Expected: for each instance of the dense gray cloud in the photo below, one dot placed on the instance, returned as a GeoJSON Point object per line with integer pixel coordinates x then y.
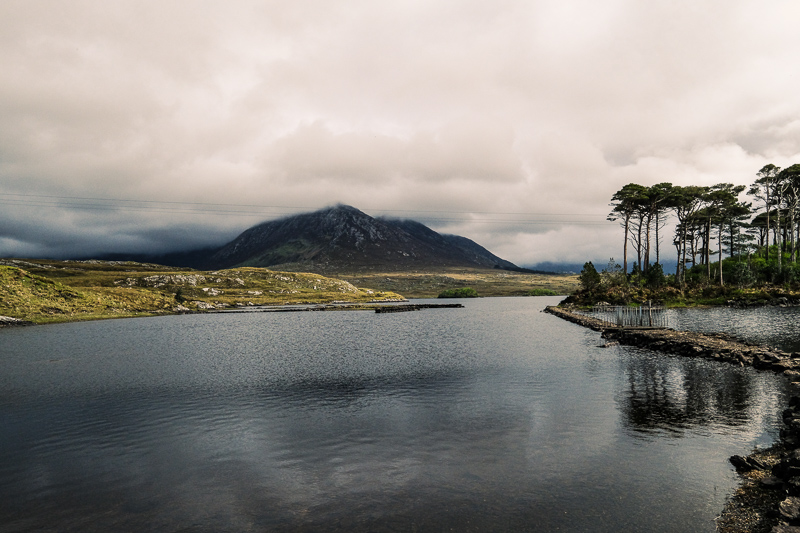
{"type": "Point", "coordinates": [510, 122]}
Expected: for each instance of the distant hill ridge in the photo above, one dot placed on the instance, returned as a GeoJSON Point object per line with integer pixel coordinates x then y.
{"type": "Point", "coordinates": [343, 238]}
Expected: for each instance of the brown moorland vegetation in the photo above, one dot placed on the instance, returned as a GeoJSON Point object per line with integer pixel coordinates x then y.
{"type": "Point", "coordinates": [487, 282]}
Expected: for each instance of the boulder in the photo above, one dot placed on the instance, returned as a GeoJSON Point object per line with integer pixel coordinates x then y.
{"type": "Point", "coordinates": [790, 509]}
{"type": "Point", "coordinates": [10, 321]}
{"type": "Point", "coordinates": [746, 464]}
{"type": "Point", "coordinates": [785, 528]}
{"type": "Point", "coordinates": [772, 482]}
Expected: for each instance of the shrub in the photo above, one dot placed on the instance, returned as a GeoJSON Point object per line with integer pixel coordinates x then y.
{"type": "Point", "coordinates": [179, 297]}
{"type": "Point", "coordinates": [738, 274]}
{"type": "Point", "coordinates": [654, 278]}
{"type": "Point", "coordinates": [697, 276]}
{"type": "Point", "coordinates": [464, 292]}
{"type": "Point", "coordinates": [771, 273]}
{"type": "Point", "coordinates": [612, 275]}
{"type": "Point", "coordinates": [635, 275]}
{"type": "Point", "coordinates": [541, 292]}
{"type": "Point", "coordinates": [788, 274]}
{"type": "Point", "coordinates": [590, 278]}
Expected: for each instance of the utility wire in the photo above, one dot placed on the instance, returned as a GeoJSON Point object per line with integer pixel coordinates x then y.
{"type": "Point", "coordinates": [117, 204]}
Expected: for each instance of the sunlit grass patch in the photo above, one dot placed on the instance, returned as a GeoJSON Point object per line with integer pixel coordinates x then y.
{"type": "Point", "coordinates": [58, 291]}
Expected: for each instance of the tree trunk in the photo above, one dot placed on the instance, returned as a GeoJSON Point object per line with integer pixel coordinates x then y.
{"type": "Point", "coordinates": [658, 258]}
{"type": "Point", "coordinates": [647, 243]}
{"type": "Point", "coordinates": [639, 245]}
{"type": "Point", "coordinates": [625, 247]}
{"type": "Point", "coordinates": [683, 261]}
{"type": "Point", "coordinates": [791, 234]}
{"type": "Point", "coordinates": [719, 249]}
{"type": "Point", "coordinates": [766, 255]}
{"type": "Point", "coordinates": [708, 247]}
{"type": "Point", "coordinates": [779, 242]}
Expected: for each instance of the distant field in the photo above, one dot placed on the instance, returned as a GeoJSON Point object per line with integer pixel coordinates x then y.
{"type": "Point", "coordinates": [488, 282]}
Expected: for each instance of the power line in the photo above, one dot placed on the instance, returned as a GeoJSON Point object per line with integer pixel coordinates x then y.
{"type": "Point", "coordinates": [288, 207]}
{"type": "Point", "coordinates": [208, 208]}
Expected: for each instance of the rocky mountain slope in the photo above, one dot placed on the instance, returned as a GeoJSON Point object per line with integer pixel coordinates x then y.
{"type": "Point", "coordinates": [342, 238]}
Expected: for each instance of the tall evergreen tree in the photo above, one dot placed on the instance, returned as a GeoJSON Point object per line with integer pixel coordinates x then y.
{"type": "Point", "coordinates": [686, 201]}
{"type": "Point", "coordinates": [625, 203]}
{"type": "Point", "coordinates": [720, 201]}
{"type": "Point", "coordinates": [790, 176]}
{"type": "Point", "coordinates": [659, 199]}
{"type": "Point", "coordinates": [762, 190]}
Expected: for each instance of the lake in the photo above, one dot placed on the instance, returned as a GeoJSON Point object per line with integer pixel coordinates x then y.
{"type": "Point", "coordinates": [495, 417]}
{"type": "Point", "coordinates": [773, 326]}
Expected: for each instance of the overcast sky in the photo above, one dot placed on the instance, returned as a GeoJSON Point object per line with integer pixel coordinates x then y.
{"type": "Point", "coordinates": [152, 125]}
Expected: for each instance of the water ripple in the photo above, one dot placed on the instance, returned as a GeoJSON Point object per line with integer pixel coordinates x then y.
{"type": "Point", "coordinates": [493, 417]}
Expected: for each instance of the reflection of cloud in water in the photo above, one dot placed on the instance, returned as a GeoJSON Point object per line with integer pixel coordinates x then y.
{"type": "Point", "coordinates": [356, 445]}
{"type": "Point", "coordinates": [582, 430]}
{"type": "Point", "coordinates": [497, 417]}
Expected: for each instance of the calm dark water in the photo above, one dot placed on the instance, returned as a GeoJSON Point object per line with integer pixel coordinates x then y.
{"type": "Point", "coordinates": [496, 417]}
{"type": "Point", "coordinates": [775, 326]}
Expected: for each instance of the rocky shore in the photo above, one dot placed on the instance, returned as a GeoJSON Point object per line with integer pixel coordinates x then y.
{"type": "Point", "coordinates": [415, 307]}
{"type": "Point", "coordinates": [716, 346]}
{"type": "Point", "coordinates": [780, 301]}
{"type": "Point", "coordinates": [7, 321]}
{"type": "Point", "coordinates": [377, 306]}
{"type": "Point", "coordinates": [768, 499]}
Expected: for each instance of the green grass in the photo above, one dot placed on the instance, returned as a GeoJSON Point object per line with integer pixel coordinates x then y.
{"type": "Point", "coordinates": [57, 291]}
{"type": "Point", "coordinates": [82, 290]}
{"type": "Point", "coordinates": [40, 299]}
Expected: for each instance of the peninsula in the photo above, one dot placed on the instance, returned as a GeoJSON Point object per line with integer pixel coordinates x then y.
{"type": "Point", "coordinates": [42, 291]}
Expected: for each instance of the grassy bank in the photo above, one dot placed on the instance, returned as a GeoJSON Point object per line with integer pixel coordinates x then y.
{"type": "Point", "coordinates": [44, 291]}
{"type": "Point", "coordinates": [486, 282]}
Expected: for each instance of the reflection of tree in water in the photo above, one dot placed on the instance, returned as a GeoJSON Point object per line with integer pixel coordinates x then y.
{"type": "Point", "coordinates": [676, 395]}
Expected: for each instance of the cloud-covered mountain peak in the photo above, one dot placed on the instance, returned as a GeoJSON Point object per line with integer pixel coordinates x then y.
{"type": "Point", "coordinates": [342, 237]}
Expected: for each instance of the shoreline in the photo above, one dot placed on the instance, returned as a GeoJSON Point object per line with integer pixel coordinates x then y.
{"type": "Point", "coordinates": [716, 346]}
{"type": "Point", "coordinates": [9, 322]}
{"type": "Point", "coordinates": [768, 497]}
{"type": "Point", "coordinates": [386, 306]}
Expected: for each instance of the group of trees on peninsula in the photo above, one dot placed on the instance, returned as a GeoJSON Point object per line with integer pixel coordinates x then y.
{"type": "Point", "coordinates": [718, 236]}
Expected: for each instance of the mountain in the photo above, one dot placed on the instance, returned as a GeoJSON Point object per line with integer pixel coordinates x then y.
{"type": "Point", "coordinates": [343, 238]}
{"type": "Point", "coordinates": [668, 265]}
